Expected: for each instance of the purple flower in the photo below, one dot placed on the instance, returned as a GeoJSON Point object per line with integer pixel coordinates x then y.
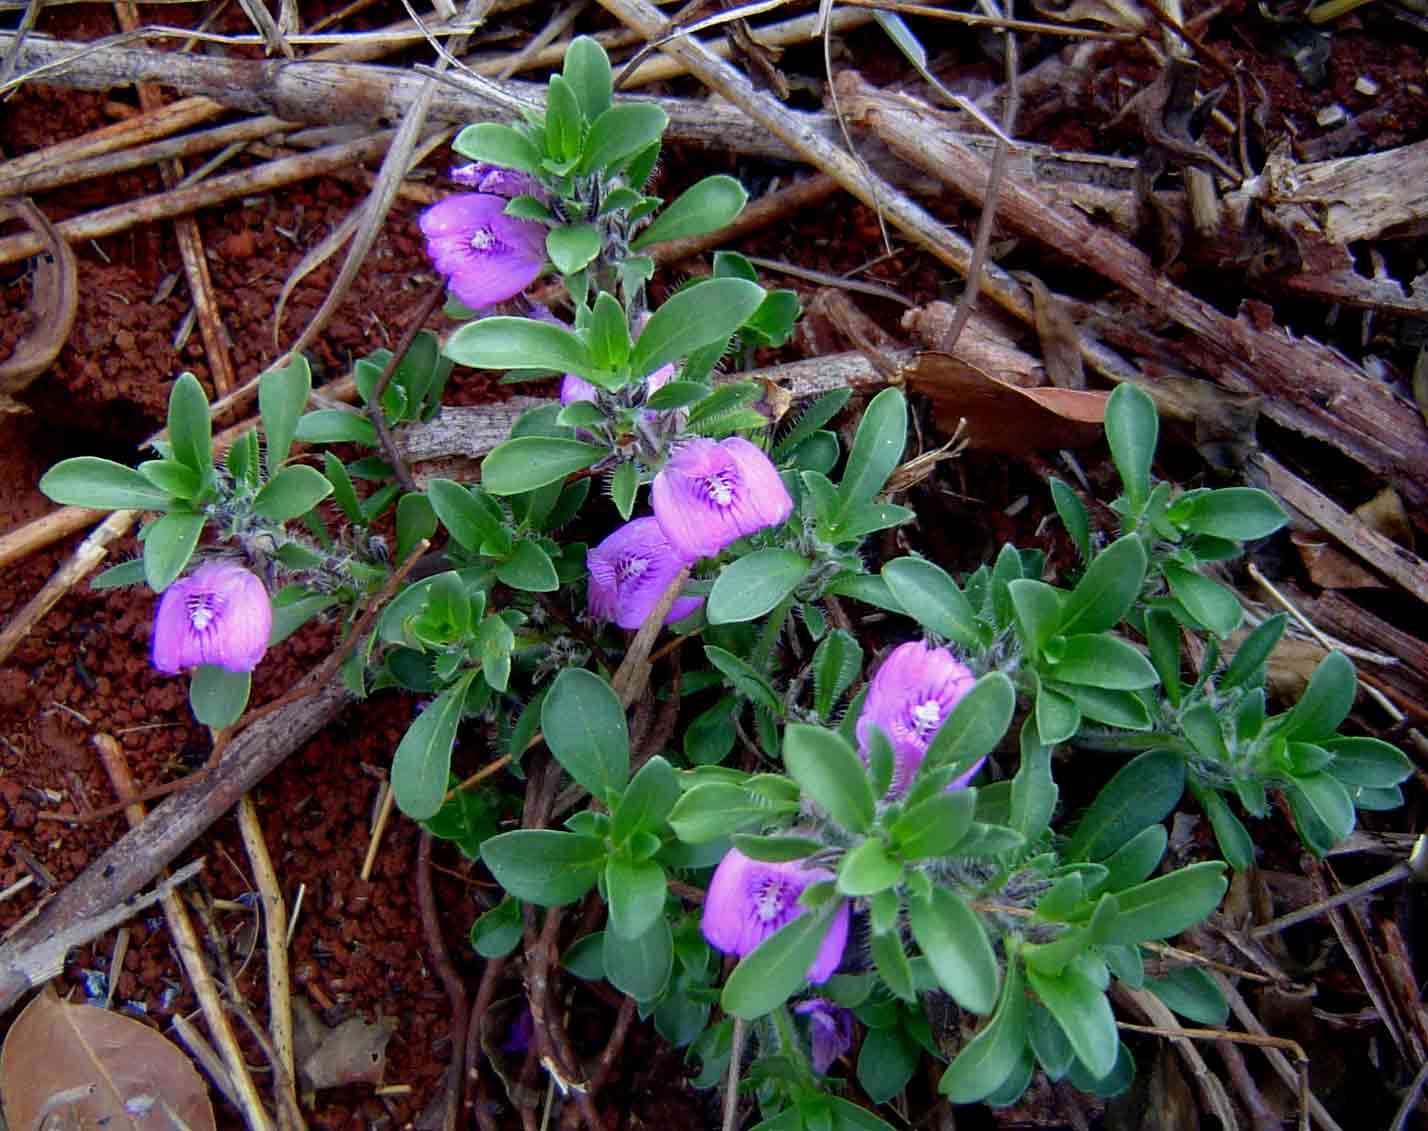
{"type": "Point", "coordinates": [710, 494]}
{"type": "Point", "coordinates": [909, 699]}
{"type": "Point", "coordinates": [748, 900]}
{"type": "Point", "coordinates": [496, 180]}
{"type": "Point", "coordinates": [219, 614]}
{"type": "Point", "coordinates": [485, 255]}
{"type": "Point", "coordinates": [629, 572]}
{"type": "Point", "coordinates": [830, 1029]}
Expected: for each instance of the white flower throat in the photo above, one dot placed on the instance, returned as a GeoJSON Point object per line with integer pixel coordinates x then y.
{"type": "Point", "coordinates": [720, 486]}
{"type": "Point", "coordinates": [203, 608]}
{"type": "Point", "coordinates": [769, 901]}
{"type": "Point", "coordinates": [926, 717]}
{"type": "Point", "coordinates": [483, 239]}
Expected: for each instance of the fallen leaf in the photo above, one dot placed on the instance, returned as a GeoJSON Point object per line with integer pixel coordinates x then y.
{"type": "Point", "coordinates": [1060, 340]}
{"type": "Point", "coordinates": [1386, 514]}
{"type": "Point", "coordinates": [53, 304]}
{"type": "Point", "coordinates": [1002, 417]}
{"type": "Point", "coordinates": [79, 1066]}
{"type": "Point", "coordinates": [1329, 568]}
{"type": "Point", "coordinates": [354, 1052]}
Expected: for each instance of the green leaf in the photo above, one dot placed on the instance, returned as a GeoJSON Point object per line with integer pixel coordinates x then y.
{"type": "Point", "coordinates": [1142, 793]}
{"type": "Point", "coordinates": [282, 395]}
{"type": "Point", "coordinates": [1135, 860]}
{"type": "Point", "coordinates": [829, 771]}
{"type": "Point", "coordinates": [466, 819]}
{"type": "Point", "coordinates": [1038, 612]}
{"type": "Point", "coordinates": [636, 893]}
{"type": "Point", "coordinates": [416, 519]}
{"type": "Point", "coordinates": [472, 519]}
{"type": "Point", "coordinates": [1167, 905]}
{"type": "Point", "coordinates": [929, 595]}
{"type": "Point", "coordinates": [1231, 835]}
{"type": "Point", "coordinates": [115, 577]}
{"type": "Point", "coordinates": [748, 681]}
{"type": "Point", "coordinates": [1082, 1012]}
{"type": "Point", "coordinates": [836, 663]}
{"type": "Point", "coordinates": [1253, 652]}
{"type": "Point", "coordinates": [992, 1055]}
{"type": "Point", "coordinates": [1237, 513]}
{"type": "Point", "coordinates": [496, 641]}
{"type": "Point", "coordinates": [1162, 635]}
{"type": "Point", "coordinates": [711, 736]}
{"type": "Point", "coordinates": [1108, 589]}
{"type": "Point", "coordinates": [572, 247]}
{"type": "Point", "coordinates": [190, 430]}
{"type": "Point", "coordinates": [647, 802]}
{"type": "Point", "coordinates": [1073, 516]}
{"type": "Point", "coordinates": [956, 946]}
{"type": "Point", "coordinates": [1057, 716]}
{"type": "Point", "coordinates": [1326, 702]}
{"type": "Point", "coordinates": [422, 764]}
{"type": "Point", "coordinates": [977, 723]}
{"type": "Point", "coordinates": [169, 544]}
{"type": "Point", "coordinates": [292, 615]}
{"type": "Point", "coordinates": [497, 933]}
{"type": "Point", "coordinates": [519, 343]}
{"type": "Point", "coordinates": [1033, 790]}
{"type": "Point", "coordinates": [886, 1062]}
{"type": "Point", "coordinates": [1323, 811]}
{"type": "Point", "coordinates": [1053, 1051]}
{"type": "Point", "coordinates": [584, 726]}
{"type": "Point", "coordinates": [529, 462]}
{"type": "Point", "coordinates": [343, 493]}
{"type": "Point", "coordinates": [877, 448]}
{"type": "Point", "coordinates": [935, 826]}
{"type": "Point", "coordinates": [868, 869]}
{"type": "Point", "coordinates": [620, 132]}
{"type": "Point", "coordinates": [587, 70]}
{"type": "Point", "coordinates": [1193, 994]}
{"type": "Point", "coordinates": [172, 478]}
{"type": "Point", "coordinates": [293, 491]}
{"type": "Point", "coordinates": [705, 206]}
{"type": "Point", "coordinates": [754, 585]}
{"type": "Point", "coordinates": [713, 810]}
{"type": "Point", "coordinates": [218, 697]}
{"type": "Point", "coordinates": [696, 316]}
{"type": "Point", "coordinates": [1132, 430]}
{"type": "Point", "coordinates": [564, 124]}
{"type": "Point", "coordinates": [529, 568]}
{"type": "Point", "coordinates": [498, 145]}
{"type": "Point", "coordinates": [1114, 1083]}
{"type": "Point", "coordinates": [774, 970]}
{"type": "Point", "coordinates": [609, 332]}
{"type": "Point", "coordinates": [1212, 604]}
{"type": "Point", "coordinates": [1367, 762]}
{"type": "Point", "coordinates": [1201, 725]}
{"type": "Point", "coordinates": [336, 426]}
{"type": "Point", "coordinates": [776, 849]}
{"type": "Point", "coordinates": [88, 481]}
{"type": "Point", "coordinates": [889, 958]}
{"type": "Point", "coordinates": [1100, 660]}
{"type": "Point", "coordinates": [640, 966]}
{"type": "Point", "coordinates": [1123, 709]}
{"type": "Point", "coordinates": [543, 866]}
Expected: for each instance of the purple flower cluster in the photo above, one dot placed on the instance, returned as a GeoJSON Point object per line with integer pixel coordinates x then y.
{"type": "Point", "coordinates": [707, 495]}
{"type": "Point", "coordinates": [909, 699]}
{"type": "Point", "coordinates": [748, 900]}
{"type": "Point", "coordinates": [486, 256]}
{"type": "Point", "coordinates": [219, 614]}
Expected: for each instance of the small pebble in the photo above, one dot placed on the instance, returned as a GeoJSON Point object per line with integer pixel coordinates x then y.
{"type": "Point", "coordinates": [1334, 115]}
{"type": "Point", "coordinates": [1366, 86]}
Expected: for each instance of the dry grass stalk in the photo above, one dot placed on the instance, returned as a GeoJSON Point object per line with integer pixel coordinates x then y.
{"type": "Point", "coordinates": [190, 954]}
{"type": "Point", "coordinates": [275, 935]}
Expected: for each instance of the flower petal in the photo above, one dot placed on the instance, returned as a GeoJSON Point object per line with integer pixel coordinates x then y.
{"type": "Point", "coordinates": [830, 951]}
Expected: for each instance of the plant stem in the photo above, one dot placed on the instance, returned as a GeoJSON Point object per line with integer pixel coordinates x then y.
{"type": "Point", "coordinates": [763, 650]}
{"type": "Point", "coordinates": [731, 1088]}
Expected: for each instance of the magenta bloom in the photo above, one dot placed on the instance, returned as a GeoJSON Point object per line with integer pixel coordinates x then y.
{"type": "Point", "coordinates": [485, 255]}
{"type": "Point", "coordinates": [629, 572]}
{"type": "Point", "coordinates": [496, 180]}
{"type": "Point", "coordinates": [909, 699]}
{"type": "Point", "coordinates": [830, 1031]}
{"type": "Point", "coordinates": [748, 900]}
{"type": "Point", "coordinates": [710, 494]}
{"type": "Point", "coordinates": [219, 614]}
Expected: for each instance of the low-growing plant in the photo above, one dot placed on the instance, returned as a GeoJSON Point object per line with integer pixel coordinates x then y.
{"type": "Point", "coordinates": [891, 835]}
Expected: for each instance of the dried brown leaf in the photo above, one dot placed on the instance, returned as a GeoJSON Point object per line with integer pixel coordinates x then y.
{"type": "Point", "coordinates": [1060, 340]}
{"type": "Point", "coordinates": [1386, 513]}
{"type": "Point", "coordinates": [1001, 417]}
{"type": "Point", "coordinates": [54, 303]}
{"type": "Point", "coordinates": [78, 1065]}
{"type": "Point", "coordinates": [1328, 568]}
{"type": "Point", "coordinates": [354, 1052]}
